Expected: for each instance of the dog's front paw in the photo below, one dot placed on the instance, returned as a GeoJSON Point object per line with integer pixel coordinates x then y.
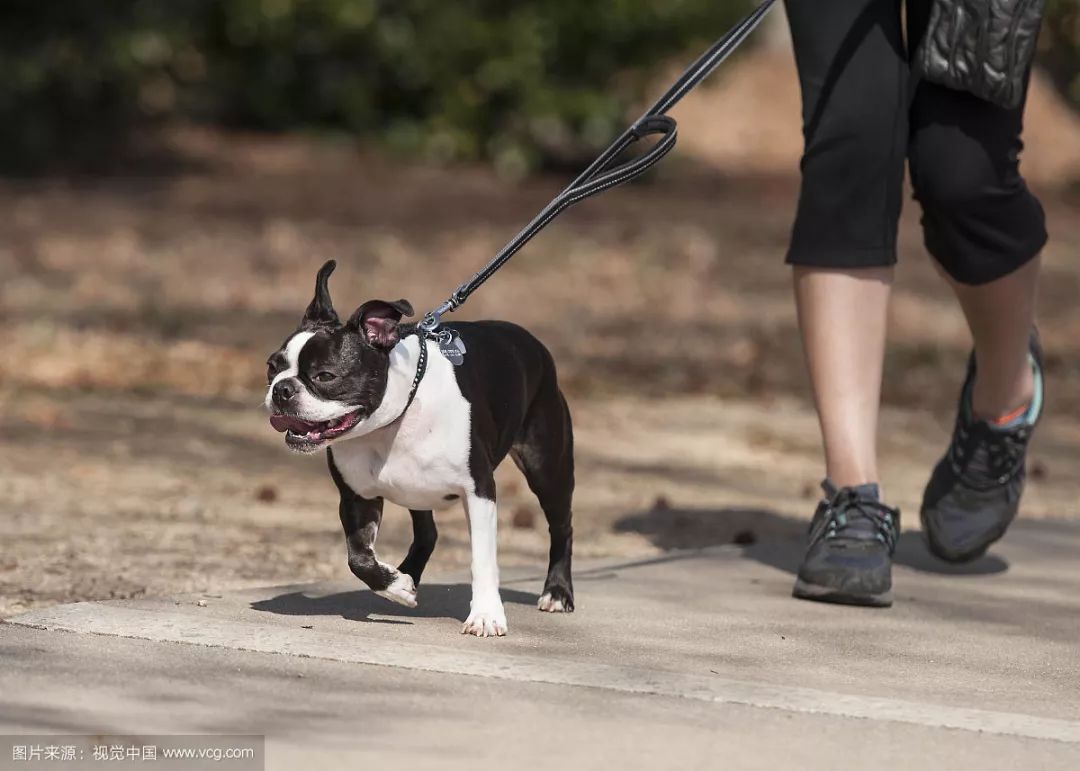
{"type": "Point", "coordinates": [401, 590]}
{"type": "Point", "coordinates": [487, 619]}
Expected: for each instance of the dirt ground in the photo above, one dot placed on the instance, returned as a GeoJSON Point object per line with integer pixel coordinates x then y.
{"type": "Point", "coordinates": [138, 311]}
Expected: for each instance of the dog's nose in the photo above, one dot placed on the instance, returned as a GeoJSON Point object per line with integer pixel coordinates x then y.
{"type": "Point", "coordinates": [284, 391]}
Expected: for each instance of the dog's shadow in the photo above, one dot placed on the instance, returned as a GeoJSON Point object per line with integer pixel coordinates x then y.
{"type": "Point", "coordinates": [435, 601]}
{"type": "Point", "coordinates": [765, 536]}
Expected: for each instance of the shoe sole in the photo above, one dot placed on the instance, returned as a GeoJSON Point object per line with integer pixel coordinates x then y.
{"type": "Point", "coordinates": [808, 591]}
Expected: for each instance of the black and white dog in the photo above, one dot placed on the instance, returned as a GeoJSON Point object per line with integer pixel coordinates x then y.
{"type": "Point", "coordinates": [407, 425]}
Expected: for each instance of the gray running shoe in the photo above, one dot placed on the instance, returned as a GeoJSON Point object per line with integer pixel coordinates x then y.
{"type": "Point", "coordinates": [852, 540]}
{"type": "Point", "coordinates": [974, 493]}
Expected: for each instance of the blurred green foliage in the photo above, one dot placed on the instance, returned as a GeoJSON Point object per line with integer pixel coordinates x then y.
{"type": "Point", "coordinates": [1060, 44]}
{"type": "Point", "coordinates": [521, 83]}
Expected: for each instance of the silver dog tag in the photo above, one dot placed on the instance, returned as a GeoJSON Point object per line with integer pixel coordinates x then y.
{"type": "Point", "coordinates": [452, 347]}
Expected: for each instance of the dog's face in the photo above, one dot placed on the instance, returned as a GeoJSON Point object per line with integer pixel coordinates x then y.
{"type": "Point", "coordinates": [328, 377]}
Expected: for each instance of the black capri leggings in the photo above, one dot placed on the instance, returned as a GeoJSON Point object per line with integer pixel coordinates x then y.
{"type": "Point", "coordinates": [979, 221]}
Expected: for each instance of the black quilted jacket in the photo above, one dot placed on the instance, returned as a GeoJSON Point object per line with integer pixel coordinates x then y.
{"type": "Point", "coordinates": [981, 46]}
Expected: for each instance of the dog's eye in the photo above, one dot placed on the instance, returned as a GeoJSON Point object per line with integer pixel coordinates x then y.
{"type": "Point", "coordinates": [325, 377]}
{"type": "Point", "coordinates": [274, 365]}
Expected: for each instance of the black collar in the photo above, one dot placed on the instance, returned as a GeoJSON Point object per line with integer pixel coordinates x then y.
{"type": "Point", "coordinates": [421, 368]}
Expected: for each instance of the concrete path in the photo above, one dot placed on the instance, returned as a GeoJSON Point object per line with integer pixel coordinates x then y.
{"type": "Point", "coordinates": [695, 659]}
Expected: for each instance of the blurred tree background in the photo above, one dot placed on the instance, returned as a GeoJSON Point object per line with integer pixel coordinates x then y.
{"type": "Point", "coordinates": [1060, 44]}
{"type": "Point", "coordinates": [521, 84]}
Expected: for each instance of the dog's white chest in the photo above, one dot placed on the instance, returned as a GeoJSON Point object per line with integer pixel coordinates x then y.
{"type": "Point", "coordinates": [424, 462]}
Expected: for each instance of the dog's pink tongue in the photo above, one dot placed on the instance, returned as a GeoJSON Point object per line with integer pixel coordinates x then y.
{"type": "Point", "coordinates": [282, 422]}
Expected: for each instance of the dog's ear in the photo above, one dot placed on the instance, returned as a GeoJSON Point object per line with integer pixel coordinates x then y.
{"type": "Point", "coordinates": [321, 313]}
{"type": "Point", "coordinates": [377, 321]}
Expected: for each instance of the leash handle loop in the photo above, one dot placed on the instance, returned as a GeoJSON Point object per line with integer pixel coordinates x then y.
{"type": "Point", "coordinates": [579, 190]}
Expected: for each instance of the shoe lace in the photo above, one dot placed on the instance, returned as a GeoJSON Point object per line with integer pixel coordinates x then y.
{"type": "Point", "coordinates": [856, 516]}
{"type": "Point", "coordinates": [986, 458]}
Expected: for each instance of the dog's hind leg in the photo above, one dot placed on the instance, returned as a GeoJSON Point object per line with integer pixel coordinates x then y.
{"type": "Point", "coordinates": [545, 455]}
{"type": "Point", "coordinates": [424, 537]}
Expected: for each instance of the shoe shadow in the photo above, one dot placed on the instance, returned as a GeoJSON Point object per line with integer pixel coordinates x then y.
{"type": "Point", "coordinates": [911, 551]}
{"type": "Point", "coordinates": [774, 539]}
{"type": "Point", "coordinates": [435, 601]}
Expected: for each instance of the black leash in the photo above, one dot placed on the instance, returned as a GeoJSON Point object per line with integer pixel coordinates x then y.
{"type": "Point", "coordinates": [598, 177]}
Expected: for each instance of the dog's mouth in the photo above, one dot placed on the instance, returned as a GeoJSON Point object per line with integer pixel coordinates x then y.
{"type": "Point", "coordinates": [307, 434]}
